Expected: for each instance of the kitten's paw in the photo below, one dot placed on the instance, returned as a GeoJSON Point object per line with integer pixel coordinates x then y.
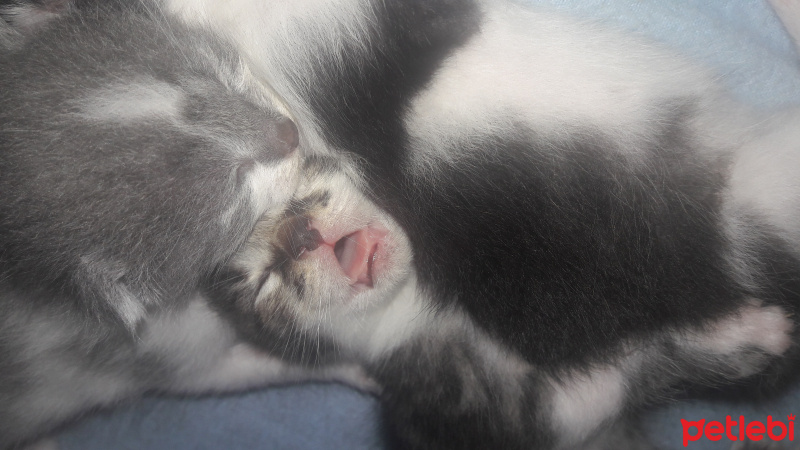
{"type": "Point", "coordinates": [355, 377]}
{"type": "Point", "coordinates": [767, 328]}
{"type": "Point", "coordinates": [744, 342]}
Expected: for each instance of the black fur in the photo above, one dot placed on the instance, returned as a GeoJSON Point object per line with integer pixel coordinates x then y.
{"type": "Point", "coordinates": [561, 249]}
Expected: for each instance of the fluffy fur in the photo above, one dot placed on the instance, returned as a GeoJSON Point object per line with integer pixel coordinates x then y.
{"type": "Point", "coordinates": [583, 208]}
{"type": "Point", "coordinates": [136, 157]}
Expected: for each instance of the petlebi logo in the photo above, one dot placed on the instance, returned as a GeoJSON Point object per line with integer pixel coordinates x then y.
{"type": "Point", "coordinates": [738, 430]}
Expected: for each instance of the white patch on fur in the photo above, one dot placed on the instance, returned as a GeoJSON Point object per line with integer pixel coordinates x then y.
{"type": "Point", "coordinates": [207, 356]}
{"type": "Point", "coordinates": [385, 326]}
{"type": "Point", "coordinates": [330, 297]}
{"type": "Point", "coordinates": [272, 185]}
{"type": "Point", "coordinates": [584, 402]}
{"type": "Point", "coordinates": [132, 102]}
{"type": "Point", "coordinates": [267, 35]}
{"type": "Point", "coordinates": [130, 308]}
{"type": "Point", "coordinates": [204, 351]}
{"type": "Point", "coordinates": [765, 178]}
{"type": "Point", "coordinates": [266, 187]}
{"type": "Point", "coordinates": [104, 278]}
{"type": "Point", "coordinates": [593, 81]}
{"type": "Point", "coordinates": [764, 327]}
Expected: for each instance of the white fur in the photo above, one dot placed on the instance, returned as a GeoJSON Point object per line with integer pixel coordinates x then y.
{"type": "Point", "coordinates": [208, 355]}
{"type": "Point", "coordinates": [130, 308]}
{"type": "Point", "coordinates": [263, 30]}
{"type": "Point", "coordinates": [271, 186]}
{"type": "Point", "coordinates": [346, 211]}
{"type": "Point", "coordinates": [583, 402]}
{"type": "Point", "coordinates": [764, 327]}
{"type": "Point", "coordinates": [558, 77]}
{"type": "Point", "coordinates": [387, 325]}
{"type": "Point", "coordinates": [132, 102]}
{"type": "Point", "coordinates": [765, 176]}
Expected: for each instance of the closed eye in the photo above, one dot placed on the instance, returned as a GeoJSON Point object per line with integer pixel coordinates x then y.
{"type": "Point", "coordinates": [267, 273]}
{"type": "Point", "coordinates": [262, 280]}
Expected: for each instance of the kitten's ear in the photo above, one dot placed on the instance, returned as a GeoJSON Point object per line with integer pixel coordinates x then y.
{"type": "Point", "coordinates": [26, 17]}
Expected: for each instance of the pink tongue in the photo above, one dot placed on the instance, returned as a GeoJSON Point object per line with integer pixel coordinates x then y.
{"type": "Point", "coordinates": [354, 253]}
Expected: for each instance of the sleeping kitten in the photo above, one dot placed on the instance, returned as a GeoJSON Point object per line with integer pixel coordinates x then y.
{"type": "Point", "coordinates": [136, 157]}
{"type": "Point", "coordinates": [329, 280]}
{"type": "Point", "coordinates": [593, 220]}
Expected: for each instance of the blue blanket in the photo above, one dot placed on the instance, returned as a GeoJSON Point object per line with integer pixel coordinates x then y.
{"type": "Point", "coordinates": [746, 44]}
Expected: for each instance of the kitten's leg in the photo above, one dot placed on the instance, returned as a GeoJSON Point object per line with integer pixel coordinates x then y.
{"type": "Point", "coordinates": [466, 391]}
{"type": "Point", "coordinates": [789, 13]}
{"type": "Point", "coordinates": [586, 405]}
{"type": "Point", "coordinates": [740, 344]}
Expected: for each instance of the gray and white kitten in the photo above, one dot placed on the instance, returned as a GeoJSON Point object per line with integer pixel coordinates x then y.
{"type": "Point", "coordinates": [594, 221]}
{"type": "Point", "coordinates": [136, 157]}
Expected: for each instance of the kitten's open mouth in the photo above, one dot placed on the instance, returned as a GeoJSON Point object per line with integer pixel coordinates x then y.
{"type": "Point", "coordinates": [356, 254]}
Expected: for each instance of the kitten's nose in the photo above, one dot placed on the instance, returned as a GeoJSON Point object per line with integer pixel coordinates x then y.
{"type": "Point", "coordinates": [287, 138]}
{"type": "Point", "coordinates": [297, 237]}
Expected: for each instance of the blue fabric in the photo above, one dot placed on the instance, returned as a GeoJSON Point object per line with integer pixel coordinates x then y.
{"type": "Point", "coordinates": [664, 425]}
{"type": "Point", "coordinates": [313, 416]}
{"type": "Point", "coordinates": [741, 39]}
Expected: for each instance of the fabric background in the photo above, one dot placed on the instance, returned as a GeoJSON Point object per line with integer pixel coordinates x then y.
{"type": "Point", "coordinates": [741, 39]}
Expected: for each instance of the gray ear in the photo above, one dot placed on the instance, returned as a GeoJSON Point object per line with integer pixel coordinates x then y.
{"type": "Point", "coordinates": [25, 17]}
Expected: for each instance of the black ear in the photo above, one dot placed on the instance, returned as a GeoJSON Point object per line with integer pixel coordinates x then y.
{"type": "Point", "coordinates": [26, 17]}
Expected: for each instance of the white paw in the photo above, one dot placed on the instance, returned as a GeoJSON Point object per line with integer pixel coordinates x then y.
{"type": "Point", "coordinates": [767, 328]}
{"type": "Point", "coordinates": [355, 377]}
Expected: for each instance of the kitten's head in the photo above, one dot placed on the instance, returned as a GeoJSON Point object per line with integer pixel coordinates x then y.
{"type": "Point", "coordinates": [139, 154]}
{"type": "Point", "coordinates": [327, 259]}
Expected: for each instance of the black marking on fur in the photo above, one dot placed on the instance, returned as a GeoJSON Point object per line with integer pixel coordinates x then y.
{"type": "Point", "coordinates": [439, 395]}
{"type": "Point", "coordinates": [562, 249]}
{"type": "Point", "coordinates": [362, 99]}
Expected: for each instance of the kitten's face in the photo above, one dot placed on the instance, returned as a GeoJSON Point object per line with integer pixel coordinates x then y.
{"type": "Point", "coordinates": [329, 257]}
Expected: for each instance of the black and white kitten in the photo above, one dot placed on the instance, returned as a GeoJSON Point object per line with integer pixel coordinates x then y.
{"type": "Point", "coordinates": [593, 220]}
{"type": "Point", "coordinates": [136, 155]}
{"type": "Point", "coordinates": [330, 280]}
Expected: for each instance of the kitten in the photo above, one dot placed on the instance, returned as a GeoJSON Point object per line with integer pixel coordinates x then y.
{"type": "Point", "coordinates": [136, 156]}
{"type": "Point", "coordinates": [329, 280]}
{"type": "Point", "coordinates": [593, 220]}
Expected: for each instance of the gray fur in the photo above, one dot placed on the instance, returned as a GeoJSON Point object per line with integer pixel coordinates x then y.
{"type": "Point", "coordinates": [135, 157]}
{"type": "Point", "coordinates": [122, 209]}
